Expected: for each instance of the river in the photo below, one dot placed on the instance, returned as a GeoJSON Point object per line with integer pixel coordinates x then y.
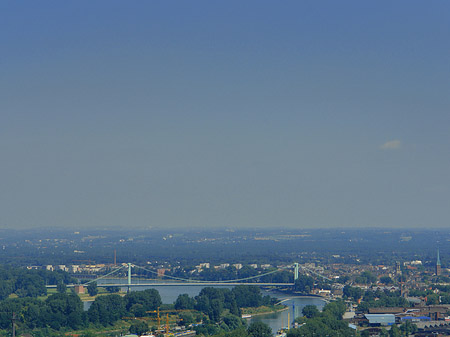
{"type": "Point", "coordinates": [285, 318]}
{"type": "Point", "coordinates": [276, 320]}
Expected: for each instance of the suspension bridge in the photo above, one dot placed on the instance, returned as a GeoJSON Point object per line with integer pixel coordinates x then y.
{"type": "Point", "coordinates": [178, 281]}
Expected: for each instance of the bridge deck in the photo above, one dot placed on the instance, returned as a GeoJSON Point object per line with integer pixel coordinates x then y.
{"type": "Point", "coordinates": [180, 284]}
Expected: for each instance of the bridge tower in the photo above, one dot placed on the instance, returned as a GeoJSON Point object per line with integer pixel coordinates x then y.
{"type": "Point", "coordinates": [129, 276]}
{"type": "Point", "coordinates": [295, 271]}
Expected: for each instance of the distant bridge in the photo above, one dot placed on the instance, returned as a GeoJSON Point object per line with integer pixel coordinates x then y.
{"type": "Point", "coordinates": [182, 284]}
{"type": "Point", "coordinates": [177, 281]}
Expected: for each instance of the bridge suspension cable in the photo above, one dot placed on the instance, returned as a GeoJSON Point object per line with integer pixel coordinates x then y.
{"type": "Point", "coordinates": [203, 282]}
{"type": "Point", "coordinates": [199, 281]}
{"type": "Point", "coordinates": [103, 276]}
{"type": "Point", "coordinates": [316, 273]}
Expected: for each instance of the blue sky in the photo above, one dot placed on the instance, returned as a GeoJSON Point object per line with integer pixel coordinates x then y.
{"type": "Point", "coordinates": [224, 114]}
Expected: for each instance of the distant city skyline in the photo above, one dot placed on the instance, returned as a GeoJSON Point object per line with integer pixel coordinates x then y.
{"type": "Point", "coordinates": [209, 114]}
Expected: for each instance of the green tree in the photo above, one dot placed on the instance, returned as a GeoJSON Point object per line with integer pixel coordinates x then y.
{"type": "Point", "coordinates": [92, 289]}
{"type": "Point", "coordinates": [386, 280]}
{"type": "Point", "coordinates": [384, 333]}
{"type": "Point", "coordinates": [63, 310]}
{"type": "Point", "coordinates": [186, 318]}
{"type": "Point", "coordinates": [395, 331]}
{"type": "Point", "coordinates": [107, 310]}
{"type": "Point", "coordinates": [310, 311]}
{"type": "Point", "coordinates": [304, 284]}
{"type": "Point", "coordinates": [247, 296]}
{"type": "Point", "coordinates": [215, 310]}
{"type": "Point", "coordinates": [149, 299]}
{"type": "Point", "coordinates": [139, 327]}
{"type": "Point", "coordinates": [335, 308]}
{"type": "Point", "coordinates": [6, 289]}
{"type": "Point", "coordinates": [366, 277]}
{"type": "Point", "coordinates": [113, 290]}
{"type": "Point", "coordinates": [343, 279]}
{"type": "Point", "coordinates": [259, 329]}
{"type": "Point", "coordinates": [183, 302]}
{"type": "Point", "coordinates": [353, 292]}
{"type": "Point", "coordinates": [232, 322]}
{"type": "Point", "coordinates": [408, 328]}
{"type": "Point", "coordinates": [137, 310]}
{"type": "Point", "coordinates": [327, 323]}
{"type": "Point", "coordinates": [234, 309]}
{"type": "Point", "coordinates": [61, 288]}
{"type": "Point", "coordinates": [432, 299]}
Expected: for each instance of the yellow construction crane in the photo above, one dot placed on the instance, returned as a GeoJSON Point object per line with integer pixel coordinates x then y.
{"type": "Point", "coordinates": [167, 323]}
{"type": "Point", "coordinates": [167, 314]}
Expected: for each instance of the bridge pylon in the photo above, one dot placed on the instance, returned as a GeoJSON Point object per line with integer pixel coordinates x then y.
{"type": "Point", "coordinates": [129, 276]}
{"type": "Point", "coordinates": [295, 271]}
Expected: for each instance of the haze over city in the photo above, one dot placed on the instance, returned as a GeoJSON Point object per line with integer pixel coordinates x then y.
{"type": "Point", "coordinates": [224, 114]}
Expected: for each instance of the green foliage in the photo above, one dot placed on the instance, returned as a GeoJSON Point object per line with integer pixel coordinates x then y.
{"type": "Point", "coordinates": [29, 283]}
{"type": "Point", "coordinates": [443, 297]}
{"type": "Point", "coordinates": [259, 329]}
{"type": "Point", "coordinates": [374, 299]}
{"type": "Point", "coordinates": [384, 333]}
{"type": "Point", "coordinates": [408, 328]}
{"type": "Point", "coordinates": [106, 310]}
{"type": "Point", "coordinates": [442, 279]}
{"type": "Point", "coordinates": [186, 318]}
{"type": "Point", "coordinates": [249, 296]}
{"type": "Point", "coordinates": [432, 299]}
{"type": "Point", "coordinates": [335, 308]}
{"type": "Point", "coordinates": [395, 331]}
{"type": "Point", "coordinates": [386, 280]}
{"type": "Point", "coordinates": [113, 290]}
{"type": "Point", "coordinates": [61, 288]}
{"type": "Point", "coordinates": [92, 289]}
{"type": "Point", "coordinates": [232, 322]}
{"type": "Point", "coordinates": [149, 299]}
{"type": "Point", "coordinates": [343, 279]}
{"type": "Point", "coordinates": [328, 322]}
{"type": "Point", "coordinates": [239, 332]}
{"type": "Point", "coordinates": [304, 284]}
{"type": "Point", "coordinates": [6, 288]}
{"type": "Point", "coordinates": [139, 327]}
{"type": "Point", "coordinates": [366, 277]}
{"type": "Point", "coordinates": [64, 310]}
{"type": "Point", "coordinates": [56, 312]}
{"type": "Point", "coordinates": [207, 329]}
{"type": "Point", "coordinates": [88, 334]}
{"type": "Point", "coordinates": [420, 293]}
{"type": "Point", "coordinates": [137, 310]}
{"type": "Point", "coordinates": [184, 302]}
{"type": "Point", "coordinates": [402, 278]}
{"type": "Point", "coordinates": [310, 311]}
{"type": "Point", "coordinates": [213, 301]}
{"type": "Point", "coordinates": [353, 292]}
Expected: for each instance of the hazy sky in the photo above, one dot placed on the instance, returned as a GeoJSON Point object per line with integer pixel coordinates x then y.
{"type": "Point", "coordinates": [224, 113]}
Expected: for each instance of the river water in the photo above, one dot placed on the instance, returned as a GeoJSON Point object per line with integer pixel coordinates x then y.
{"type": "Point", "coordinates": [285, 318]}
{"type": "Point", "coordinates": [276, 320]}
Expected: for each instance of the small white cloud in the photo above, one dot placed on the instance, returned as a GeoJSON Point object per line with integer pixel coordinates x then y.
{"type": "Point", "coordinates": [391, 145]}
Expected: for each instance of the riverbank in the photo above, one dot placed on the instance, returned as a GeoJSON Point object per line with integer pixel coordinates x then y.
{"type": "Point", "coordinates": [293, 294]}
{"type": "Point", "coordinates": [262, 310]}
